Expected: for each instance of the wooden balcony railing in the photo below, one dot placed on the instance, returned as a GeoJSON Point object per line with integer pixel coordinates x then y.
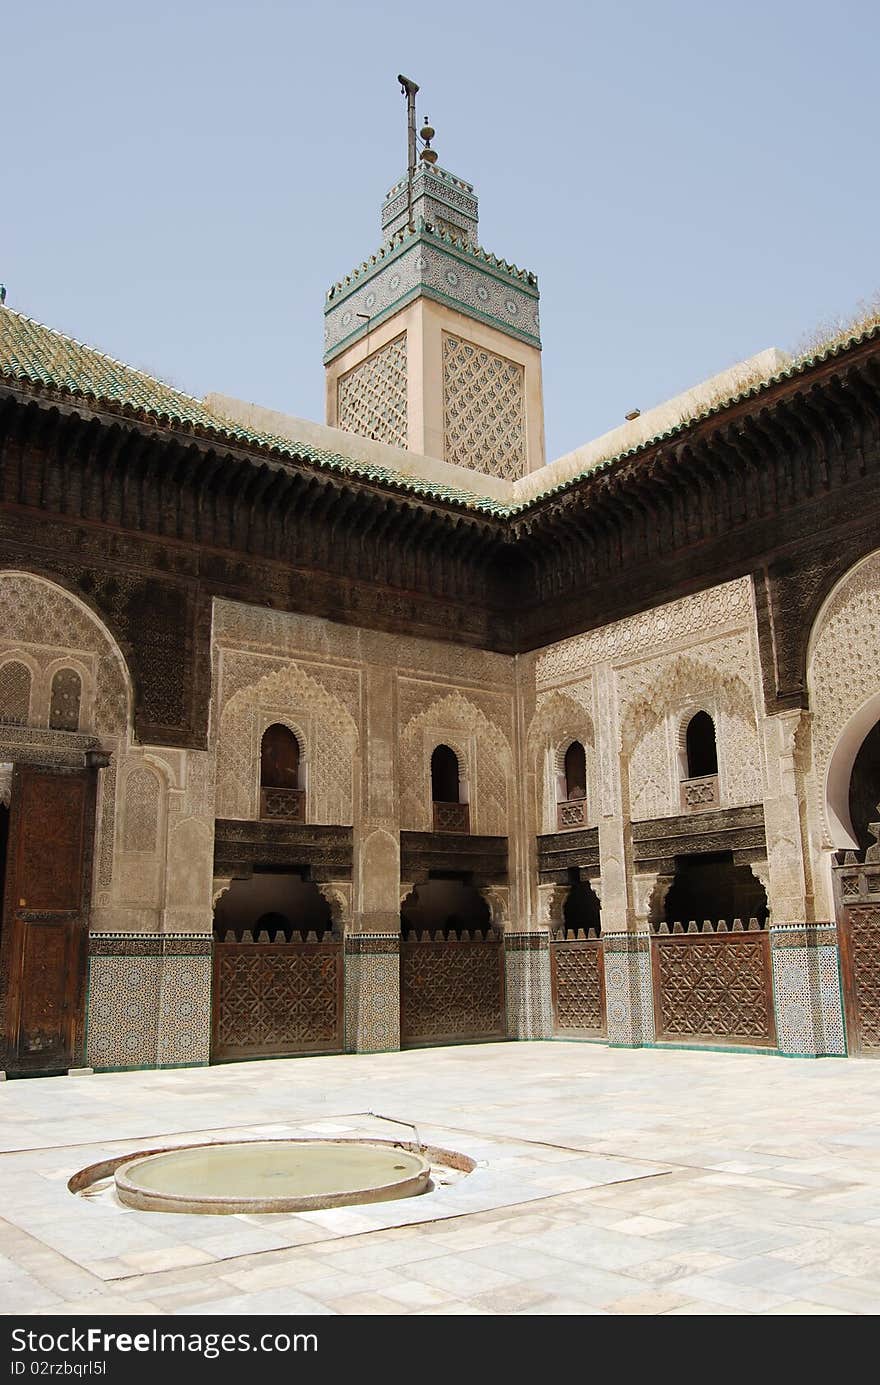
{"type": "Point", "coordinates": [699, 795]}
{"type": "Point", "coordinates": [452, 817]}
{"type": "Point", "coordinates": [283, 805]}
{"type": "Point", "coordinates": [571, 813]}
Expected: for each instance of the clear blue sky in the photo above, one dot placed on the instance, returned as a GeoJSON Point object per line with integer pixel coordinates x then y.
{"type": "Point", "coordinates": [691, 181]}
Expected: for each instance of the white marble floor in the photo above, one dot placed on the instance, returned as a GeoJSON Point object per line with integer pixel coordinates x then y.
{"type": "Point", "coordinates": [608, 1181]}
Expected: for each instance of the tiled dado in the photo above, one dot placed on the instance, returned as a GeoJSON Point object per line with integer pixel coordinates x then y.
{"type": "Point", "coordinates": [806, 989]}
{"type": "Point", "coordinates": [372, 992]}
{"type": "Point", "coordinates": [527, 985]}
{"type": "Point", "coordinates": [149, 999]}
{"type": "Point", "coordinates": [629, 996]}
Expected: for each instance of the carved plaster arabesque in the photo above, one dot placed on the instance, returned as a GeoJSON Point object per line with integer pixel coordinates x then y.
{"type": "Point", "coordinates": [490, 776]}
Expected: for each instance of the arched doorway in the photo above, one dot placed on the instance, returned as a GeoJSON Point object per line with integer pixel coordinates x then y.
{"type": "Point", "coordinates": [857, 892]}
{"type": "Point", "coordinates": [710, 955]}
{"type": "Point", "coordinates": [277, 969]}
{"type": "Point", "coordinates": [451, 965]}
{"type": "Point", "coordinates": [577, 969]}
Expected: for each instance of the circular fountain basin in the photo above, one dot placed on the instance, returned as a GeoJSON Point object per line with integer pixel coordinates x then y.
{"type": "Point", "coordinates": [271, 1176]}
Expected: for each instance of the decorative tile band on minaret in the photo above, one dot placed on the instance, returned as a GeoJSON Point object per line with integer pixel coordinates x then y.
{"type": "Point", "coordinates": [433, 344]}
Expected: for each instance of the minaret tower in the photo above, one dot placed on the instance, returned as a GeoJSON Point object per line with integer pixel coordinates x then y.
{"type": "Point", "coordinates": [433, 344]}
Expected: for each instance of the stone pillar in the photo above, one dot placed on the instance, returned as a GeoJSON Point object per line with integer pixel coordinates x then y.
{"type": "Point", "coordinates": [806, 970]}
{"type": "Point", "coordinates": [626, 945]}
{"type": "Point", "coordinates": [806, 990]}
{"type": "Point", "coordinates": [372, 935]}
{"type": "Point", "coordinates": [372, 992]}
{"type": "Point", "coordinates": [149, 1000]}
{"type": "Point", "coordinates": [629, 992]}
{"type": "Point", "coordinates": [526, 970]}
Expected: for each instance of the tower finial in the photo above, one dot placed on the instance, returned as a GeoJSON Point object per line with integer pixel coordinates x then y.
{"type": "Point", "coordinates": [408, 89]}
{"type": "Point", "coordinates": [427, 132]}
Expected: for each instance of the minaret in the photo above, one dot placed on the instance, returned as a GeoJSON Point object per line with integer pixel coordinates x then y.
{"type": "Point", "coordinates": [433, 344]}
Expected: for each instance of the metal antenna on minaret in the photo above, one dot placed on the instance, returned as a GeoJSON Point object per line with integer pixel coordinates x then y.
{"type": "Point", "coordinates": [408, 89]}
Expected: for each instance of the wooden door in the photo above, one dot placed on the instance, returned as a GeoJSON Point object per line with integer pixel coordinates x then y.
{"type": "Point", "coordinates": [43, 946]}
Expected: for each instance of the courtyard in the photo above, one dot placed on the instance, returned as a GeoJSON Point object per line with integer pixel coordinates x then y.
{"type": "Point", "coordinates": [607, 1181]}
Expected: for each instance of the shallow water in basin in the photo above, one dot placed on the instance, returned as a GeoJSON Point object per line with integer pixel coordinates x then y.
{"type": "Point", "coordinates": [274, 1170]}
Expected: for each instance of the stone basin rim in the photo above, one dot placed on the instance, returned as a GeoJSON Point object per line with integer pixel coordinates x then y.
{"type": "Point", "coordinates": [133, 1196]}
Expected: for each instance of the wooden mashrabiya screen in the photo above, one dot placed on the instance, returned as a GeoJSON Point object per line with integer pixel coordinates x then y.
{"type": "Point", "coordinates": [858, 898]}
{"type": "Point", "coordinates": [277, 998]}
{"type": "Point", "coordinates": [451, 986]}
{"type": "Point", "coordinates": [712, 983]}
{"type": "Point", "coordinates": [577, 972]}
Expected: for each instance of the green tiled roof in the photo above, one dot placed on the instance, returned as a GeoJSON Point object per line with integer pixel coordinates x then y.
{"type": "Point", "coordinates": [38, 355]}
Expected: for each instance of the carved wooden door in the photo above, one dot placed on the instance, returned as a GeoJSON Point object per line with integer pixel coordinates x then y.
{"type": "Point", "coordinates": [43, 946]}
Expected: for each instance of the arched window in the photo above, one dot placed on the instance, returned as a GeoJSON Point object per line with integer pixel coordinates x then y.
{"type": "Point", "coordinates": [281, 795]}
{"type": "Point", "coordinates": [450, 814]}
{"type": "Point", "coordinates": [444, 775]}
{"type": "Point", "coordinates": [575, 772]}
{"type": "Point", "coordinates": [64, 701]}
{"type": "Point", "coordinates": [15, 694]}
{"type": "Point", "coordinates": [701, 751]}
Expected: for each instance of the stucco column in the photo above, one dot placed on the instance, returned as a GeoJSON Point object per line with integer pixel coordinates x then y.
{"type": "Point", "coordinates": [372, 938]}
{"type": "Point", "coordinates": [804, 953]}
{"type": "Point", "coordinates": [625, 941]}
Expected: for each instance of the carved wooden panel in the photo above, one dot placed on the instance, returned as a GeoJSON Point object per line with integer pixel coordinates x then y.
{"type": "Point", "coordinates": [860, 936]}
{"type": "Point", "coordinates": [713, 987]}
{"type": "Point", "coordinates": [283, 805]}
{"type": "Point", "coordinates": [578, 979]}
{"type": "Point", "coordinates": [571, 814]}
{"type": "Point", "coordinates": [451, 817]}
{"type": "Point", "coordinates": [45, 919]}
{"type": "Point", "coordinates": [451, 990]}
{"type": "Point", "coordinates": [272, 999]}
{"type": "Point", "coordinates": [49, 851]}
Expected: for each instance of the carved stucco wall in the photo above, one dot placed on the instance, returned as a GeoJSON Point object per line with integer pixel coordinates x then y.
{"type": "Point", "coordinates": [657, 696]}
{"type": "Point", "coordinates": [471, 724]}
{"type": "Point", "coordinates": [699, 652]}
{"type": "Point", "coordinates": [254, 692]}
{"type": "Point", "coordinates": [559, 719]}
{"type": "Point", "coordinates": [637, 680]}
{"type": "Point", "coordinates": [154, 813]}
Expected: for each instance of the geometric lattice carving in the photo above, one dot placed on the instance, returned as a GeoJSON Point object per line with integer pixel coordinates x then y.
{"type": "Point", "coordinates": [713, 986]}
{"type": "Point", "coordinates": [285, 805]}
{"type": "Point", "coordinates": [577, 970]}
{"type": "Point", "coordinates": [699, 794]}
{"type": "Point", "coordinates": [65, 700]}
{"type": "Point", "coordinates": [141, 811]}
{"type": "Point", "coordinates": [15, 694]}
{"type": "Point", "coordinates": [573, 814]}
{"type": "Point", "coordinates": [371, 399]}
{"type": "Point", "coordinates": [451, 990]}
{"type": "Point", "coordinates": [451, 817]}
{"type": "Point", "coordinates": [483, 410]}
{"type": "Point", "coordinates": [277, 998]}
{"type": "Point", "coordinates": [863, 939]}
